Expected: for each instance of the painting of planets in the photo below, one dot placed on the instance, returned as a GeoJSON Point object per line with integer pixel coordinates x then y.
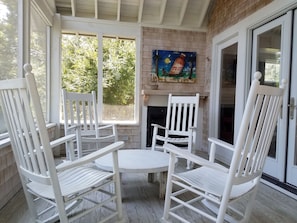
{"type": "Point", "coordinates": [173, 66]}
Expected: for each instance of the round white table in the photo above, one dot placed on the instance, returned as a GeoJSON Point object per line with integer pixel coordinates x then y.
{"type": "Point", "coordinates": [140, 161]}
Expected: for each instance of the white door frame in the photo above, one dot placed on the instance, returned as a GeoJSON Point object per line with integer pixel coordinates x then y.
{"type": "Point", "coordinates": [242, 31]}
{"type": "Point", "coordinates": [292, 139]}
{"type": "Point", "coordinates": [276, 166]}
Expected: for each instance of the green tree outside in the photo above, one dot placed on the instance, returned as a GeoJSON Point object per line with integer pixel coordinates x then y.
{"type": "Point", "coordinates": [79, 67]}
{"type": "Point", "coordinates": [118, 71]}
{"type": "Point", "coordinates": [8, 45]}
{"type": "Point", "coordinates": [8, 39]}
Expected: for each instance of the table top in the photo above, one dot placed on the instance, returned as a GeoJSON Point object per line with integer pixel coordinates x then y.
{"type": "Point", "coordinates": [136, 161]}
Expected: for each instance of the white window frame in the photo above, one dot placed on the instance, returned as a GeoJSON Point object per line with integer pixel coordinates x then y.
{"type": "Point", "coordinates": [23, 57]}
{"type": "Point", "coordinates": [100, 29]}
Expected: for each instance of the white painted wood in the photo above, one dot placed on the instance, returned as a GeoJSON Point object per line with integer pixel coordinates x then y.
{"type": "Point", "coordinates": [275, 166]}
{"type": "Point", "coordinates": [140, 204]}
{"type": "Point", "coordinates": [292, 140]}
{"type": "Point", "coordinates": [102, 28]}
{"type": "Point", "coordinates": [61, 187]}
{"type": "Point", "coordinates": [243, 32]}
{"type": "Point", "coordinates": [140, 10]}
{"type": "Point", "coordinates": [215, 94]}
{"type": "Point", "coordinates": [218, 187]}
{"type": "Point", "coordinates": [183, 11]}
{"type": "Point", "coordinates": [140, 161]}
{"type": "Point", "coordinates": [181, 123]}
{"type": "Point", "coordinates": [174, 14]}
{"type": "Point", "coordinates": [81, 117]}
{"type": "Point", "coordinates": [73, 7]}
{"type": "Point", "coordinates": [137, 161]}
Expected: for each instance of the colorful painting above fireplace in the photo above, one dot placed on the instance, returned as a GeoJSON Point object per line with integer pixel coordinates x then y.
{"type": "Point", "coordinates": [173, 66]}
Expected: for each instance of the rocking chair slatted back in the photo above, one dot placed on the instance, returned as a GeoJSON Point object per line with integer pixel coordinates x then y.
{"type": "Point", "coordinates": [81, 117]}
{"type": "Point", "coordinates": [216, 187]}
{"type": "Point", "coordinates": [53, 193]}
{"type": "Point", "coordinates": [181, 124]}
{"type": "Point", "coordinates": [80, 109]}
{"type": "Point", "coordinates": [181, 114]}
{"type": "Point", "coordinates": [24, 133]}
{"type": "Point", "coordinates": [256, 132]}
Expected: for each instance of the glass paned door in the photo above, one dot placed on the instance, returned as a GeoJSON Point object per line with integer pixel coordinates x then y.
{"type": "Point", "coordinates": [226, 98]}
{"type": "Point", "coordinates": [291, 176]}
{"type": "Point", "coordinates": [227, 92]}
{"type": "Point", "coordinates": [271, 53]}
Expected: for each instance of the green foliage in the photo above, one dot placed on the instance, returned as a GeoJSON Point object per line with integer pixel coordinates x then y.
{"type": "Point", "coordinates": [8, 45]}
{"type": "Point", "coordinates": [79, 63]}
{"type": "Point", "coordinates": [8, 39]}
{"type": "Point", "coordinates": [118, 71]}
{"type": "Point", "coordinates": [79, 66]}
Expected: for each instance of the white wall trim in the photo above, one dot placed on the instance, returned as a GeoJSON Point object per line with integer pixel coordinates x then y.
{"type": "Point", "coordinates": [243, 31]}
{"type": "Point", "coordinates": [99, 28]}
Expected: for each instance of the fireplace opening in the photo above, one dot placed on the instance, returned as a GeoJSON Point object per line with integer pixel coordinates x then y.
{"type": "Point", "coordinates": [157, 115]}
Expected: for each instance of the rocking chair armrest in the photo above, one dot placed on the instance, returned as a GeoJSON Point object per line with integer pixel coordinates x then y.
{"type": "Point", "coordinates": [221, 143]}
{"type": "Point", "coordinates": [72, 127]}
{"type": "Point", "coordinates": [105, 126]}
{"type": "Point", "coordinates": [214, 143]}
{"type": "Point", "coordinates": [62, 140]}
{"type": "Point", "coordinates": [193, 128]}
{"type": "Point", "coordinates": [158, 126]}
{"type": "Point", "coordinates": [193, 158]}
{"type": "Point", "coordinates": [97, 139]}
{"type": "Point", "coordinates": [91, 157]}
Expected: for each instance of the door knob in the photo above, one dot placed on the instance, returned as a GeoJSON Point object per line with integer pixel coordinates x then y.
{"type": "Point", "coordinates": [292, 107]}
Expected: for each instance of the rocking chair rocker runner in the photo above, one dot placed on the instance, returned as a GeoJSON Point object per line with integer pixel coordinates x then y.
{"type": "Point", "coordinates": [216, 188]}
{"type": "Point", "coordinates": [81, 117]}
{"type": "Point", "coordinates": [53, 191]}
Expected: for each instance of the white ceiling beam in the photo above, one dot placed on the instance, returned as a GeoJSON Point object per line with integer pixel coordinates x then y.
{"type": "Point", "coordinates": [203, 12]}
{"type": "Point", "coordinates": [63, 5]}
{"type": "Point", "coordinates": [162, 10]}
{"type": "Point", "coordinates": [73, 7]}
{"type": "Point", "coordinates": [45, 10]}
{"type": "Point", "coordinates": [119, 11]}
{"type": "Point", "coordinates": [96, 9]}
{"type": "Point", "coordinates": [183, 11]}
{"type": "Point", "coordinates": [140, 10]}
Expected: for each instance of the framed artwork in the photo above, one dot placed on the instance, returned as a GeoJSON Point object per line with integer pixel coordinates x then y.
{"type": "Point", "coordinates": [173, 66]}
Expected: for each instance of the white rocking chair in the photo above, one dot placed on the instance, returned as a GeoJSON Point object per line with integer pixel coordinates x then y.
{"type": "Point", "coordinates": [81, 117]}
{"type": "Point", "coordinates": [181, 124]}
{"type": "Point", "coordinates": [53, 191]}
{"type": "Point", "coordinates": [212, 190]}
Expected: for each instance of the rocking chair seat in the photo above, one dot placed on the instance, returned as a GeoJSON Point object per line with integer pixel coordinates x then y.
{"type": "Point", "coordinates": [211, 190]}
{"type": "Point", "coordinates": [173, 140]}
{"type": "Point", "coordinates": [181, 124]}
{"type": "Point", "coordinates": [54, 192]}
{"type": "Point", "coordinates": [213, 181]}
{"type": "Point", "coordinates": [72, 181]}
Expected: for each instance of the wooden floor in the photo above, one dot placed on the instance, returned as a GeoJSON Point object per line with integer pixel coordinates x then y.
{"type": "Point", "coordinates": [142, 205]}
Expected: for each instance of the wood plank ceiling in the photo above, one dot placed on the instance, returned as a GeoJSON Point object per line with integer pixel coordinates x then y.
{"type": "Point", "coordinates": [175, 14]}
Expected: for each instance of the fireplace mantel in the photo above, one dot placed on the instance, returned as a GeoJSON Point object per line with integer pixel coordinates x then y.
{"type": "Point", "coordinates": [147, 93]}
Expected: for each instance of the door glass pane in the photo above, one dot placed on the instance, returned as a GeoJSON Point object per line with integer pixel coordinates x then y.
{"type": "Point", "coordinates": [268, 63]}
{"type": "Point", "coordinates": [119, 57]}
{"type": "Point", "coordinates": [227, 92]}
{"type": "Point", "coordinates": [8, 46]}
{"type": "Point", "coordinates": [38, 55]}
